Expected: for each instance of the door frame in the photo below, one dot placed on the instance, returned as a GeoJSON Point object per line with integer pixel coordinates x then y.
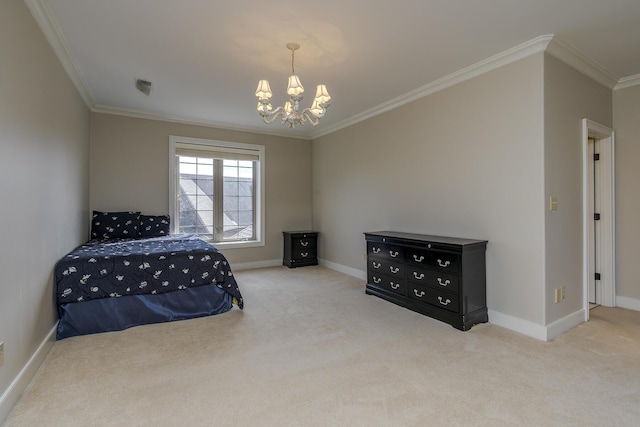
{"type": "Point", "coordinates": [606, 247]}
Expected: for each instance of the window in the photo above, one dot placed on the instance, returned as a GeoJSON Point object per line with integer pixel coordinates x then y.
{"type": "Point", "coordinates": [216, 190]}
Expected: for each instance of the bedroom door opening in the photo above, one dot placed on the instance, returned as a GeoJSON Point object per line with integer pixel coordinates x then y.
{"type": "Point", "coordinates": [598, 216]}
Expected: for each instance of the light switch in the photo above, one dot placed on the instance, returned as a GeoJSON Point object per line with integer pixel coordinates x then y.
{"type": "Point", "coordinates": [553, 203]}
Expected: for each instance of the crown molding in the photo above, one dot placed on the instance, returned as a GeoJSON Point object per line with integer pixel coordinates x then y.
{"type": "Point", "coordinates": [107, 109]}
{"type": "Point", "coordinates": [628, 82]}
{"type": "Point", "coordinates": [580, 62]}
{"type": "Point", "coordinates": [537, 45]}
{"type": "Point", "coordinates": [52, 33]}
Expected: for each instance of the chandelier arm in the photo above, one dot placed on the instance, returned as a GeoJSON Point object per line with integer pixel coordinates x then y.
{"type": "Point", "coordinates": [271, 117]}
{"type": "Point", "coordinates": [306, 113]}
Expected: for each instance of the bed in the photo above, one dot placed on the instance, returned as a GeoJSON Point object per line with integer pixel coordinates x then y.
{"type": "Point", "coordinates": [133, 272]}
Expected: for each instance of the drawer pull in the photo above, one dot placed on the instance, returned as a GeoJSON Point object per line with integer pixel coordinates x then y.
{"type": "Point", "coordinates": [304, 243]}
{"type": "Point", "coordinates": [304, 254]}
{"type": "Point", "coordinates": [393, 270]}
{"type": "Point", "coordinates": [376, 280]}
{"type": "Point", "coordinates": [443, 263]}
{"type": "Point", "coordinates": [375, 250]}
{"type": "Point", "coordinates": [416, 259]}
{"type": "Point", "coordinates": [394, 285]}
{"type": "Point", "coordinates": [446, 302]}
{"type": "Point", "coordinates": [445, 283]}
{"type": "Point", "coordinates": [376, 264]}
{"type": "Point", "coordinates": [418, 294]}
{"type": "Point", "coordinates": [394, 254]}
{"type": "Point", "coordinates": [420, 277]}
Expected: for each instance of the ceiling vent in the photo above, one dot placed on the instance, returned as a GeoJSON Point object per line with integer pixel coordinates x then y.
{"type": "Point", "coordinates": [143, 86]}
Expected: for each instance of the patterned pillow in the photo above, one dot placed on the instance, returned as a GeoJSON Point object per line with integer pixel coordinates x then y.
{"type": "Point", "coordinates": [110, 225]}
{"type": "Point", "coordinates": [154, 225]}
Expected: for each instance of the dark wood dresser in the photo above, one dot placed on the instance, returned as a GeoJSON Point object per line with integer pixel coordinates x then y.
{"type": "Point", "coordinates": [441, 277]}
{"type": "Point", "coordinates": [300, 248]}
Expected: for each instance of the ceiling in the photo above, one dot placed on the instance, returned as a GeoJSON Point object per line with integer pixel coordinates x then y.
{"type": "Point", "coordinates": [205, 57]}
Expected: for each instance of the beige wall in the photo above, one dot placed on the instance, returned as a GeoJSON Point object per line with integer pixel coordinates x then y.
{"type": "Point", "coordinates": [466, 161]}
{"type": "Point", "coordinates": [569, 96]}
{"type": "Point", "coordinates": [44, 143]}
{"type": "Point", "coordinates": [626, 123]}
{"type": "Point", "coordinates": [130, 171]}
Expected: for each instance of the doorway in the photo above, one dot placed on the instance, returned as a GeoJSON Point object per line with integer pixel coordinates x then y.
{"type": "Point", "coordinates": [598, 215]}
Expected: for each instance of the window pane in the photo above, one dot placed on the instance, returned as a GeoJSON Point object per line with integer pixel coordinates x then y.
{"type": "Point", "coordinates": [245, 203]}
{"type": "Point", "coordinates": [230, 172]}
{"type": "Point", "coordinates": [205, 169]}
{"type": "Point", "coordinates": [187, 168]}
{"type": "Point", "coordinates": [245, 188]}
{"type": "Point", "coordinates": [230, 188]}
{"type": "Point", "coordinates": [245, 217]}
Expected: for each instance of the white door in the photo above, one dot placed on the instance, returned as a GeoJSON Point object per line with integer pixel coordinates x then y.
{"type": "Point", "coordinates": [598, 215]}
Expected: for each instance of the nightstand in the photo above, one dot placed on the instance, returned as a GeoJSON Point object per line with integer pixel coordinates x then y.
{"type": "Point", "coordinates": [300, 248]}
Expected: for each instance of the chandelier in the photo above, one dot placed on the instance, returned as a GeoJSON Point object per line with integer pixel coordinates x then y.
{"type": "Point", "coordinates": [291, 113]}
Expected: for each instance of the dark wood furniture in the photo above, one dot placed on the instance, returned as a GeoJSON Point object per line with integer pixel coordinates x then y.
{"type": "Point", "coordinates": [441, 277]}
{"type": "Point", "coordinates": [300, 248]}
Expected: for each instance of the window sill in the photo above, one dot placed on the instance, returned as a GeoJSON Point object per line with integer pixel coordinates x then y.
{"type": "Point", "coordinates": [236, 245]}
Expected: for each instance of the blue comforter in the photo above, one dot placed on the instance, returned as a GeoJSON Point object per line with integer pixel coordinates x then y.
{"type": "Point", "coordinates": [119, 267]}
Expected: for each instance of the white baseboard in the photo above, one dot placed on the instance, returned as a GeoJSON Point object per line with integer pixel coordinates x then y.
{"type": "Point", "coordinates": [237, 266]}
{"type": "Point", "coordinates": [17, 386]}
{"type": "Point", "coordinates": [516, 324]}
{"type": "Point", "coordinates": [561, 326]}
{"type": "Point", "coordinates": [626, 302]}
{"type": "Point", "coordinates": [534, 330]}
{"type": "Point", "coordinates": [354, 272]}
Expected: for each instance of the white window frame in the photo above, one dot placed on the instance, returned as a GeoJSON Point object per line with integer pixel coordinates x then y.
{"type": "Point", "coordinates": [259, 186]}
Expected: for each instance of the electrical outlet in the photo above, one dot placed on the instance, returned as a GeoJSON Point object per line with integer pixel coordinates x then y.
{"type": "Point", "coordinates": [1, 353]}
{"type": "Point", "coordinates": [558, 295]}
{"type": "Point", "coordinates": [562, 293]}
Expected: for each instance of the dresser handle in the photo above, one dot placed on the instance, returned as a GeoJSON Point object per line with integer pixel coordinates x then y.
{"type": "Point", "coordinates": [445, 283]}
{"type": "Point", "coordinates": [443, 263]}
{"type": "Point", "coordinates": [394, 285]}
{"type": "Point", "coordinates": [304, 243]}
{"type": "Point", "coordinates": [447, 301]}
{"type": "Point", "coordinates": [376, 264]}
{"type": "Point", "coordinates": [419, 295]}
{"type": "Point", "coordinates": [420, 277]}
{"type": "Point", "coordinates": [393, 270]}
{"type": "Point", "coordinates": [375, 250]}
{"type": "Point", "coordinates": [394, 254]}
{"type": "Point", "coordinates": [376, 280]}
{"type": "Point", "coordinates": [416, 259]}
{"type": "Point", "coordinates": [304, 254]}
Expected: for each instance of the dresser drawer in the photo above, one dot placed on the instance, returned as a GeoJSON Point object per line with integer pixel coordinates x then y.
{"type": "Point", "coordinates": [443, 299]}
{"type": "Point", "coordinates": [392, 284]}
{"type": "Point", "coordinates": [382, 250]}
{"type": "Point", "coordinates": [442, 261]}
{"type": "Point", "coordinates": [389, 268]}
{"type": "Point", "coordinates": [433, 278]}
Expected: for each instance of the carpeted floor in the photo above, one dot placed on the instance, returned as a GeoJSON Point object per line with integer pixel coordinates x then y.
{"type": "Point", "coordinates": [311, 349]}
